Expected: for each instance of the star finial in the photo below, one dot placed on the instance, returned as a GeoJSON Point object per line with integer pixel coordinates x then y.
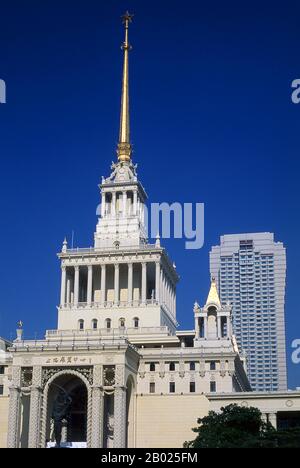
{"type": "Point", "coordinates": [127, 17]}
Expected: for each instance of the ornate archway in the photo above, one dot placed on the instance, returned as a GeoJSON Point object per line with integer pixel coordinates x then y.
{"type": "Point", "coordinates": [78, 425]}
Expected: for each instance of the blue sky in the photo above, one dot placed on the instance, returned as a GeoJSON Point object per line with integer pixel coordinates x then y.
{"type": "Point", "coordinates": [212, 121]}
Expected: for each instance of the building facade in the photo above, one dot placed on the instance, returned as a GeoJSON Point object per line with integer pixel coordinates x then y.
{"type": "Point", "coordinates": [250, 270]}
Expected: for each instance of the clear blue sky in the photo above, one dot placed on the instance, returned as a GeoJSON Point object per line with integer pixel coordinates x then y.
{"type": "Point", "coordinates": [212, 122]}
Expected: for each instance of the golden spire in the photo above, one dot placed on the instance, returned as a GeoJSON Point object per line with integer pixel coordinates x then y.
{"type": "Point", "coordinates": [213, 296]}
{"type": "Point", "coordinates": [124, 146]}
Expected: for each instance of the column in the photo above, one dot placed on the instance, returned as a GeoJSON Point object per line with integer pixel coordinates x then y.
{"type": "Point", "coordinates": [35, 417]}
{"type": "Point", "coordinates": [113, 204]}
{"type": "Point", "coordinates": [142, 212]}
{"type": "Point", "coordinates": [228, 326]}
{"type": "Point", "coordinates": [63, 286]}
{"type": "Point", "coordinates": [120, 417]}
{"type": "Point", "coordinates": [124, 204]}
{"type": "Point", "coordinates": [103, 207]}
{"type": "Point", "coordinates": [130, 283]}
{"type": "Point", "coordinates": [97, 417]}
{"type": "Point", "coordinates": [174, 300]}
{"type": "Point", "coordinates": [205, 326]}
{"type": "Point", "coordinates": [90, 285]}
{"type": "Point", "coordinates": [197, 326]}
{"type": "Point", "coordinates": [13, 435]}
{"type": "Point", "coordinates": [161, 286]}
{"type": "Point", "coordinates": [157, 281]}
{"type": "Point", "coordinates": [76, 286]}
{"type": "Point", "coordinates": [219, 334]}
{"type": "Point", "coordinates": [116, 285]}
{"type": "Point", "coordinates": [134, 203]}
{"type": "Point", "coordinates": [168, 293]}
{"type": "Point", "coordinates": [68, 299]}
{"type": "Point", "coordinates": [273, 419]}
{"type": "Point", "coordinates": [103, 284]}
{"type": "Point", "coordinates": [144, 282]}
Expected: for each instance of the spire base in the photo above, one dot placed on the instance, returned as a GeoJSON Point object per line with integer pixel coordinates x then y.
{"type": "Point", "coordinates": [124, 152]}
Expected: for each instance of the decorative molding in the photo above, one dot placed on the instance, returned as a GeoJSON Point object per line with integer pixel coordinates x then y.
{"type": "Point", "coordinates": [49, 372]}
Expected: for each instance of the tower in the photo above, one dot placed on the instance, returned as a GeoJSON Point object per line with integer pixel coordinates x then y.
{"type": "Point", "coordinates": [250, 270]}
{"type": "Point", "coordinates": [123, 282]}
{"type": "Point", "coordinates": [213, 321]}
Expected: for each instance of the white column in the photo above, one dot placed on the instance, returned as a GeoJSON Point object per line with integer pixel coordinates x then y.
{"type": "Point", "coordinates": [120, 417]}
{"type": "Point", "coordinates": [161, 286]}
{"type": "Point", "coordinates": [219, 327]}
{"type": "Point", "coordinates": [97, 417]}
{"type": "Point", "coordinates": [228, 326]}
{"type": "Point", "coordinates": [172, 300]}
{"type": "Point", "coordinates": [103, 284]}
{"type": "Point", "coordinates": [90, 285]}
{"type": "Point", "coordinates": [68, 300]}
{"type": "Point", "coordinates": [130, 283]}
{"type": "Point", "coordinates": [76, 286]}
{"type": "Point", "coordinates": [144, 282]}
{"type": "Point", "coordinates": [14, 418]}
{"type": "Point", "coordinates": [175, 300]}
{"type": "Point", "coordinates": [103, 203]}
{"type": "Point", "coordinates": [273, 419]}
{"type": "Point", "coordinates": [63, 286]}
{"type": "Point", "coordinates": [35, 408]}
{"type": "Point", "coordinates": [124, 204]}
{"type": "Point", "coordinates": [116, 285]}
{"type": "Point", "coordinates": [205, 326]}
{"type": "Point", "coordinates": [157, 281]}
{"type": "Point", "coordinates": [113, 204]}
{"type": "Point", "coordinates": [197, 331]}
{"type": "Point", "coordinates": [142, 212]}
{"type": "Point", "coordinates": [134, 203]}
{"type": "Point", "coordinates": [168, 293]}
{"type": "Point", "coordinates": [138, 208]}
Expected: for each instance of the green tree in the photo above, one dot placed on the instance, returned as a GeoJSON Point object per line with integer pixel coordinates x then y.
{"type": "Point", "coordinates": [240, 427]}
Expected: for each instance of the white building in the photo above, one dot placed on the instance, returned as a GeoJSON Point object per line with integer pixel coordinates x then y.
{"type": "Point", "coordinates": [116, 359]}
{"type": "Point", "coordinates": [250, 270]}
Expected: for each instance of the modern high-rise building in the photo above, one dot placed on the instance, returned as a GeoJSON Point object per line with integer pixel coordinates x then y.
{"type": "Point", "coordinates": [250, 270]}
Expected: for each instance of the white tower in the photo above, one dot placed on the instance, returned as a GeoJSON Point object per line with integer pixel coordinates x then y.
{"type": "Point", "coordinates": [124, 282]}
{"type": "Point", "coordinates": [213, 321]}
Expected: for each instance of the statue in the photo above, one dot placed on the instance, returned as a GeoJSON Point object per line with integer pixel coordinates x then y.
{"type": "Point", "coordinates": [60, 412]}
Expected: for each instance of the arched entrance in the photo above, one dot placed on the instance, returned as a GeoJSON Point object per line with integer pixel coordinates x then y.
{"type": "Point", "coordinates": [67, 401]}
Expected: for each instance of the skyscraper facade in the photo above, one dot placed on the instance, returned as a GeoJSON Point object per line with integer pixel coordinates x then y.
{"type": "Point", "coordinates": [250, 271]}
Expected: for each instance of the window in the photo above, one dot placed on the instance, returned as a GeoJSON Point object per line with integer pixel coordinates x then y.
{"type": "Point", "coordinates": [1, 370]}
{"type": "Point", "coordinates": [81, 324]}
{"type": "Point", "coordinates": [192, 387]}
{"type": "Point", "coordinates": [94, 324]}
{"type": "Point", "coordinates": [1, 389]}
{"type": "Point", "coordinates": [213, 387]}
{"type": "Point", "coordinates": [152, 367]}
{"type": "Point", "coordinates": [122, 323]}
{"type": "Point", "coordinates": [172, 366]}
{"type": "Point", "coordinates": [136, 322]}
{"type": "Point", "coordinates": [172, 387]}
{"type": "Point", "coordinates": [212, 365]}
{"type": "Point", "coordinates": [108, 324]}
{"type": "Point", "coordinates": [152, 387]}
{"type": "Point", "coordinates": [192, 366]}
